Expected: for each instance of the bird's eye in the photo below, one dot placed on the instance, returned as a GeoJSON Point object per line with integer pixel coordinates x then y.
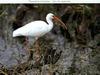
{"type": "Point", "coordinates": [53, 17]}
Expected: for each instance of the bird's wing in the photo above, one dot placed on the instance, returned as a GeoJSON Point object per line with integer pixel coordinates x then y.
{"type": "Point", "coordinates": [36, 28]}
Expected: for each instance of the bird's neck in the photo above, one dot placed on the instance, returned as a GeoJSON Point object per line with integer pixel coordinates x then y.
{"type": "Point", "coordinates": [50, 24]}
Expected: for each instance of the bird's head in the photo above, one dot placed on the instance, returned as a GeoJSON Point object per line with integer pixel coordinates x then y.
{"type": "Point", "coordinates": [53, 17]}
{"type": "Point", "coordinates": [50, 16]}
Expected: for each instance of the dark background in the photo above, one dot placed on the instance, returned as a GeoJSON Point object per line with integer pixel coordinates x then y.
{"type": "Point", "coordinates": [75, 51]}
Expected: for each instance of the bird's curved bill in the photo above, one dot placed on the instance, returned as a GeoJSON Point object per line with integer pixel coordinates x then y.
{"type": "Point", "coordinates": [63, 25]}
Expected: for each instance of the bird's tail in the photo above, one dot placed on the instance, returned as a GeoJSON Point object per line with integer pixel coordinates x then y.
{"type": "Point", "coordinates": [16, 33]}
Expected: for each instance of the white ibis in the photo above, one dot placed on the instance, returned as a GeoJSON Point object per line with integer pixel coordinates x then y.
{"type": "Point", "coordinates": [38, 28]}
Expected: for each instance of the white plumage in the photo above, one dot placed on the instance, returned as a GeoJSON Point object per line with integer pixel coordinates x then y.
{"type": "Point", "coordinates": [36, 28]}
{"type": "Point", "coordinates": [32, 29]}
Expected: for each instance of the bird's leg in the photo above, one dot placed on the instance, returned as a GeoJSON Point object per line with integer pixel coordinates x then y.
{"type": "Point", "coordinates": [38, 54]}
{"type": "Point", "coordinates": [37, 47]}
{"type": "Point", "coordinates": [26, 43]}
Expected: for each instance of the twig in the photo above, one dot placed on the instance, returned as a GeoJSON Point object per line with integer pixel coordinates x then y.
{"type": "Point", "coordinates": [3, 13]}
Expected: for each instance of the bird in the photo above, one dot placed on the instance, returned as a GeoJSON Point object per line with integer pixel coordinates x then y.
{"type": "Point", "coordinates": [36, 29]}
